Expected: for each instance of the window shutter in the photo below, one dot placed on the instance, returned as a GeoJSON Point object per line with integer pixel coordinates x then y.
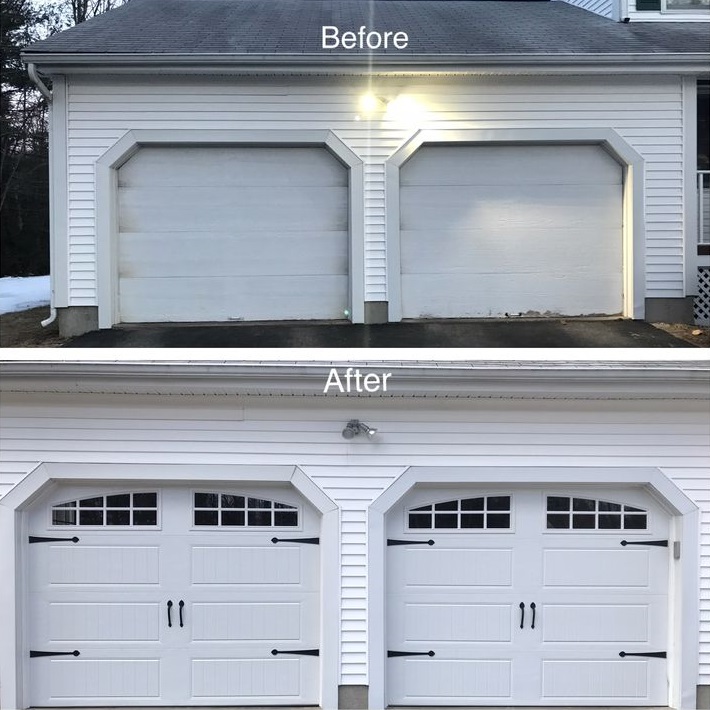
{"type": "Point", "coordinates": [646, 5]}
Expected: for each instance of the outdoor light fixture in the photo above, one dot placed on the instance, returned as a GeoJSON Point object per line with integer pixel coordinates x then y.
{"type": "Point", "coordinates": [369, 103]}
{"type": "Point", "coordinates": [355, 427]}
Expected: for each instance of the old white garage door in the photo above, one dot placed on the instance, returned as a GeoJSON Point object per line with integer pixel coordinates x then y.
{"type": "Point", "coordinates": [527, 597]}
{"type": "Point", "coordinates": [232, 233]}
{"type": "Point", "coordinates": [525, 230]}
{"type": "Point", "coordinates": [174, 597]}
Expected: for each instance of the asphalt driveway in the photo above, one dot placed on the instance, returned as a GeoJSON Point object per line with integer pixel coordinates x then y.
{"type": "Point", "coordinates": [420, 334]}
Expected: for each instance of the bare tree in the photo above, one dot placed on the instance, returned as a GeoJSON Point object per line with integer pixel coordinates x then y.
{"type": "Point", "coordinates": [82, 10]}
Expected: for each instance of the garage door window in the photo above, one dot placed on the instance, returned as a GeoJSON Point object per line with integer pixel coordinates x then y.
{"type": "Point", "coordinates": [568, 513]}
{"type": "Point", "coordinates": [124, 509]}
{"type": "Point", "coordinates": [484, 512]}
{"type": "Point", "coordinates": [228, 510]}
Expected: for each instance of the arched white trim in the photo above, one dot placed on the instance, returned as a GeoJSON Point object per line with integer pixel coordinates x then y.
{"type": "Point", "coordinates": [14, 656]}
{"type": "Point", "coordinates": [128, 145]}
{"type": "Point", "coordinates": [633, 229]}
{"type": "Point", "coordinates": [684, 613]}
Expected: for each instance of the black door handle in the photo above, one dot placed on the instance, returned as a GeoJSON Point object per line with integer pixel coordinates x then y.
{"type": "Point", "coordinates": [533, 607]}
{"type": "Point", "coordinates": [522, 614]}
{"type": "Point", "coordinates": [181, 605]}
{"type": "Point", "coordinates": [170, 606]}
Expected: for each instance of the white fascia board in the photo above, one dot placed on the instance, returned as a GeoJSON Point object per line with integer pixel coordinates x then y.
{"type": "Point", "coordinates": [690, 382]}
{"type": "Point", "coordinates": [338, 64]}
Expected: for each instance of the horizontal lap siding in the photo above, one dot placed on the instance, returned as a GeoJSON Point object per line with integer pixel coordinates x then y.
{"type": "Point", "coordinates": [354, 474]}
{"type": "Point", "coordinates": [599, 7]}
{"type": "Point", "coordinates": [645, 111]}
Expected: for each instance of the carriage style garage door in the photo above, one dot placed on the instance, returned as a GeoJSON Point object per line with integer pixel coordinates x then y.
{"type": "Point", "coordinates": [174, 597]}
{"type": "Point", "coordinates": [527, 597]}
{"type": "Point", "coordinates": [526, 230]}
{"type": "Point", "coordinates": [232, 233]}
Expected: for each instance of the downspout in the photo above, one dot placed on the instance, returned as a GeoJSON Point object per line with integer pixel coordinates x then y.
{"type": "Point", "coordinates": [32, 71]}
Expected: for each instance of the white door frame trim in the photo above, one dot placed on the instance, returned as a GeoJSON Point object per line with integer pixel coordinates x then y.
{"type": "Point", "coordinates": [128, 145]}
{"type": "Point", "coordinates": [684, 573]}
{"type": "Point", "coordinates": [633, 227]}
{"type": "Point", "coordinates": [14, 651]}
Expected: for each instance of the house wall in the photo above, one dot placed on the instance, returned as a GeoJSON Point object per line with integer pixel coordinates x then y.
{"type": "Point", "coordinates": [618, 9]}
{"type": "Point", "coordinates": [605, 8]}
{"type": "Point", "coordinates": [649, 16]}
{"type": "Point", "coordinates": [670, 435]}
{"type": "Point", "coordinates": [646, 111]}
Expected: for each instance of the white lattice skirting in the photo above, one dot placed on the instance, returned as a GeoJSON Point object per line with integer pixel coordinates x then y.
{"type": "Point", "coordinates": [701, 304]}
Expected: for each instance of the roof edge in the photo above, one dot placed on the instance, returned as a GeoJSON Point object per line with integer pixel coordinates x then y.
{"type": "Point", "coordinates": [519, 381]}
{"type": "Point", "coordinates": [298, 63]}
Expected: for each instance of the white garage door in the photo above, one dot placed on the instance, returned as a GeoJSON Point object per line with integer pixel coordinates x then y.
{"type": "Point", "coordinates": [526, 230]}
{"type": "Point", "coordinates": [174, 597]}
{"type": "Point", "coordinates": [221, 234]}
{"type": "Point", "coordinates": [523, 597]}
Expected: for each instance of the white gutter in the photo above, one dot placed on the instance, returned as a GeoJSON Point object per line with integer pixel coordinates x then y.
{"type": "Point", "coordinates": [338, 62]}
{"type": "Point", "coordinates": [44, 90]}
{"type": "Point", "coordinates": [32, 71]}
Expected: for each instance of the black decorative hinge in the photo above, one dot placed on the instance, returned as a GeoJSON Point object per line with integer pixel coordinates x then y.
{"type": "Point", "coordinates": [307, 652]}
{"type": "Point", "coordinates": [410, 542]}
{"type": "Point", "coordinates": [33, 538]}
{"type": "Point", "coordinates": [399, 654]}
{"type": "Point", "coordinates": [652, 654]}
{"type": "Point", "coordinates": [303, 540]}
{"type": "Point", "coordinates": [42, 654]}
{"type": "Point", "coordinates": [655, 543]}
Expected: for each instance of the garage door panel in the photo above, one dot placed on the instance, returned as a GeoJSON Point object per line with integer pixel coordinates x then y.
{"type": "Point", "coordinates": [490, 295]}
{"type": "Point", "coordinates": [468, 623]}
{"type": "Point", "coordinates": [144, 254]}
{"type": "Point", "coordinates": [204, 209]}
{"type": "Point", "coordinates": [106, 678]}
{"type": "Point", "coordinates": [490, 208]}
{"type": "Point", "coordinates": [104, 565]}
{"type": "Point", "coordinates": [104, 622]}
{"type": "Point", "coordinates": [458, 568]}
{"type": "Point", "coordinates": [232, 167]}
{"type": "Point", "coordinates": [595, 679]}
{"type": "Point", "coordinates": [238, 298]}
{"type": "Point", "coordinates": [263, 680]}
{"type": "Point", "coordinates": [589, 623]}
{"type": "Point", "coordinates": [248, 621]}
{"type": "Point", "coordinates": [452, 681]}
{"type": "Point", "coordinates": [596, 568]}
{"type": "Point", "coordinates": [502, 251]}
{"type": "Point", "coordinates": [511, 165]}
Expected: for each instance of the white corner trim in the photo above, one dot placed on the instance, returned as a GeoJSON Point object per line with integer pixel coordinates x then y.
{"type": "Point", "coordinates": [107, 191]}
{"type": "Point", "coordinates": [633, 231]}
{"type": "Point", "coordinates": [14, 657]}
{"type": "Point", "coordinates": [689, 89]}
{"type": "Point", "coordinates": [683, 651]}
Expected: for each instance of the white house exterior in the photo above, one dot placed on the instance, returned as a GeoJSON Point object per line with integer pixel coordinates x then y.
{"type": "Point", "coordinates": [512, 534]}
{"type": "Point", "coordinates": [534, 161]}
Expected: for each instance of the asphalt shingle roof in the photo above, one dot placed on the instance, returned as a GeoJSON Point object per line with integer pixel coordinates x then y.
{"type": "Point", "coordinates": [435, 27]}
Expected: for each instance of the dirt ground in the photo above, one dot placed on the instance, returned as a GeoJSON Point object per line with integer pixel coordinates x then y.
{"type": "Point", "coordinates": [694, 334]}
{"type": "Point", "coordinates": [23, 330]}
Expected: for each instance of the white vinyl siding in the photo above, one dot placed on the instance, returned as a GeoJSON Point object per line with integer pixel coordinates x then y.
{"type": "Point", "coordinates": [599, 7]}
{"type": "Point", "coordinates": [562, 433]}
{"type": "Point", "coordinates": [645, 111]}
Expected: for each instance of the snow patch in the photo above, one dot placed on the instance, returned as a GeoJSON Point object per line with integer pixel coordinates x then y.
{"type": "Point", "coordinates": [22, 293]}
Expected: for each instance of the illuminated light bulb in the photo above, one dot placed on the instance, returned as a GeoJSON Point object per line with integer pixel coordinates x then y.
{"type": "Point", "coordinates": [369, 103]}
